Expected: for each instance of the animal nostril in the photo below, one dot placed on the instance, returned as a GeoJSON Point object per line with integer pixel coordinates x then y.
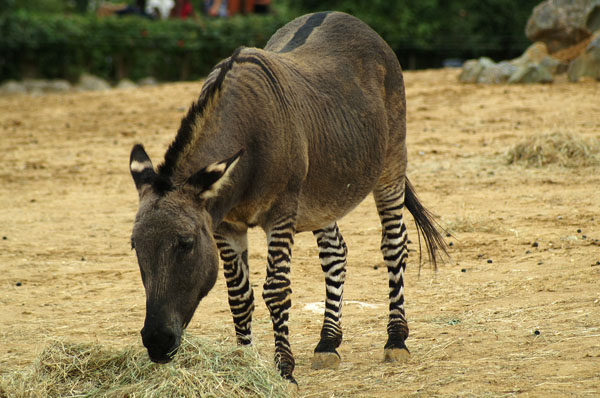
{"type": "Point", "coordinates": [162, 338]}
{"type": "Point", "coordinates": [168, 340]}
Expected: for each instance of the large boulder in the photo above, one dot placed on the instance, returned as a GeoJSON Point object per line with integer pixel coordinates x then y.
{"type": "Point", "coordinates": [563, 23]}
{"type": "Point", "coordinates": [588, 63]}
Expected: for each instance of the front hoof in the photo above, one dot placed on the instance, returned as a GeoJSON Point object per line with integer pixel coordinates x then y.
{"type": "Point", "coordinates": [326, 360]}
{"type": "Point", "coordinates": [396, 355]}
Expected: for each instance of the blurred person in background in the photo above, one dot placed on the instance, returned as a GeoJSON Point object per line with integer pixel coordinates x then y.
{"type": "Point", "coordinates": [159, 9]}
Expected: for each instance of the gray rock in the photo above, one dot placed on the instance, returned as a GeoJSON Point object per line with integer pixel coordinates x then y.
{"type": "Point", "coordinates": [563, 23]}
{"type": "Point", "coordinates": [92, 83]}
{"type": "Point", "coordinates": [593, 18]}
{"type": "Point", "coordinates": [588, 63]}
{"type": "Point", "coordinates": [497, 73]}
{"type": "Point", "coordinates": [535, 53]}
{"type": "Point", "coordinates": [553, 65]}
{"type": "Point", "coordinates": [473, 68]}
{"type": "Point", "coordinates": [593, 49]}
{"type": "Point", "coordinates": [470, 71]}
{"type": "Point", "coordinates": [12, 87]}
{"type": "Point", "coordinates": [125, 84]}
{"type": "Point", "coordinates": [531, 73]}
{"type": "Point", "coordinates": [148, 81]}
{"type": "Point", "coordinates": [58, 86]}
{"type": "Point", "coordinates": [534, 66]}
{"type": "Point", "coordinates": [35, 86]}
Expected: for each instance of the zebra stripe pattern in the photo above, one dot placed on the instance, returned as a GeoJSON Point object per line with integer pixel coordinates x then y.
{"type": "Point", "coordinates": [390, 203]}
{"type": "Point", "coordinates": [241, 297]}
{"type": "Point", "coordinates": [277, 291]}
{"type": "Point", "coordinates": [332, 252]}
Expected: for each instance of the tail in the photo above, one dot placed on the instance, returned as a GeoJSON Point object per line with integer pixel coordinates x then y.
{"type": "Point", "coordinates": [426, 225]}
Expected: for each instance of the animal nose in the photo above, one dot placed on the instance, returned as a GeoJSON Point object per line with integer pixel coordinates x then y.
{"type": "Point", "coordinates": [161, 342]}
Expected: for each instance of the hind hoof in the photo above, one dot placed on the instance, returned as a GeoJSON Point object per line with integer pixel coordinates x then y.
{"type": "Point", "coordinates": [396, 355]}
{"type": "Point", "coordinates": [325, 360]}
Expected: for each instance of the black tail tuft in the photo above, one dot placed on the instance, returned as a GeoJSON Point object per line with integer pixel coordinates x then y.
{"type": "Point", "coordinates": [426, 225]}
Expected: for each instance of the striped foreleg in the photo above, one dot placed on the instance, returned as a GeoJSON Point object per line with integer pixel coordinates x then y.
{"type": "Point", "coordinates": [390, 204]}
{"type": "Point", "coordinates": [332, 252]}
{"type": "Point", "coordinates": [277, 292]}
{"type": "Point", "coordinates": [234, 253]}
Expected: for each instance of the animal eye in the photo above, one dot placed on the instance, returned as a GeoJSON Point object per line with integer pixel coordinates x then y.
{"type": "Point", "coordinates": [186, 244]}
{"type": "Point", "coordinates": [132, 243]}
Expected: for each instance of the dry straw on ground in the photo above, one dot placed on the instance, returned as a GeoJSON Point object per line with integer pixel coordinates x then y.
{"type": "Point", "coordinates": [200, 369]}
{"type": "Point", "coordinates": [467, 223]}
{"type": "Point", "coordinates": [562, 149]}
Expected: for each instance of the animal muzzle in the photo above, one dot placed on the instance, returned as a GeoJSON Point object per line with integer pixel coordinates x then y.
{"type": "Point", "coordinates": [162, 342]}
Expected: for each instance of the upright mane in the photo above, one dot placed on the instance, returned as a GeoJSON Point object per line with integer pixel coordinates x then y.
{"type": "Point", "coordinates": [184, 135]}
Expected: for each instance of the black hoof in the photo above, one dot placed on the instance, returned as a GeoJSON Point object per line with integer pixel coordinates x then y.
{"type": "Point", "coordinates": [326, 355]}
{"type": "Point", "coordinates": [395, 343]}
{"type": "Point", "coordinates": [395, 351]}
{"type": "Point", "coordinates": [325, 346]}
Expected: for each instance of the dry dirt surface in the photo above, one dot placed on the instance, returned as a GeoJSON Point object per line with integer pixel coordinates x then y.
{"type": "Point", "coordinates": [515, 311]}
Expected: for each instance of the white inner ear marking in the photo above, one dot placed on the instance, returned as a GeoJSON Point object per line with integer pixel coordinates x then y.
{"type": "Point", "coordinates": [216, 167]}
{"type": "Point", "coordinates": [214, 188]}
{"type": "Point", "coordinates": [137, 167]}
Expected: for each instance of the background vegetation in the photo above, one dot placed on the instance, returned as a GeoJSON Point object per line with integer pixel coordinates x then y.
{"type": "Point", "coordinates": [51, 39]}
{"type": "Point", "coordinates": [425, 32]}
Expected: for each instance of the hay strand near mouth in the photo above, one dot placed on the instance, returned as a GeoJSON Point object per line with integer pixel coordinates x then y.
{"type": "Point", "coordinates": [562, 149]}
{"type": "Point", "coordinates": [200, 369]}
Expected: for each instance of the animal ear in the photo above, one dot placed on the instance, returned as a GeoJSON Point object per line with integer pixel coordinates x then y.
{"type": "Point", "coordinates": [211, 179]}
{"type": "Point", "coordinates": [141, 168]}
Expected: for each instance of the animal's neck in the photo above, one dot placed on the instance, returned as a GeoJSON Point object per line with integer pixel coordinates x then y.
{"type": "Point", "coordinates": [234, 118]}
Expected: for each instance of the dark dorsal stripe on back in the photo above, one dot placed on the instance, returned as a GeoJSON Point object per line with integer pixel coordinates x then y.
{"type": "Point", "coordinates": [305, 30]}
{"type": "Point", "coordinates": [271, 78]}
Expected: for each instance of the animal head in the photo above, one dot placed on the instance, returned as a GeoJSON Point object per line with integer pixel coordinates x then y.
{"type": "Point", "coordinates": [173, 240]}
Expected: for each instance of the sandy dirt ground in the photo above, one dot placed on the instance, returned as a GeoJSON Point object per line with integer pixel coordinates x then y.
{"type": "Point", "coordinates": [515, 311]}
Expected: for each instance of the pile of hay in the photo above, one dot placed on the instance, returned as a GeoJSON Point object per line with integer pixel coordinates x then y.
{"type": "Point", "coordinates": [562, 149]}
{"type": "Point", "coordinates": [200, 369]}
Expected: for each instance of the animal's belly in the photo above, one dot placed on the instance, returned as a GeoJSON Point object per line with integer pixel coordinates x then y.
{"type": "Point", "coordinates": [321, 206]}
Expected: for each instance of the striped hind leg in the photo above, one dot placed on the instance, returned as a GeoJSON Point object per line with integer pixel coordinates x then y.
{"type": "Point", "coordinates": [390, 203]}
{"type": "Point", "coordinates": [233, 249]}
{"type": "Point", "coordinates": [332, 252]}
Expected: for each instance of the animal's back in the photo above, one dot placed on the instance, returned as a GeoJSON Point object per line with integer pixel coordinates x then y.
{"type": "Point", "coordinates": [352, 83]}
{"type": "Point", "coordinates": [314, 36]}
